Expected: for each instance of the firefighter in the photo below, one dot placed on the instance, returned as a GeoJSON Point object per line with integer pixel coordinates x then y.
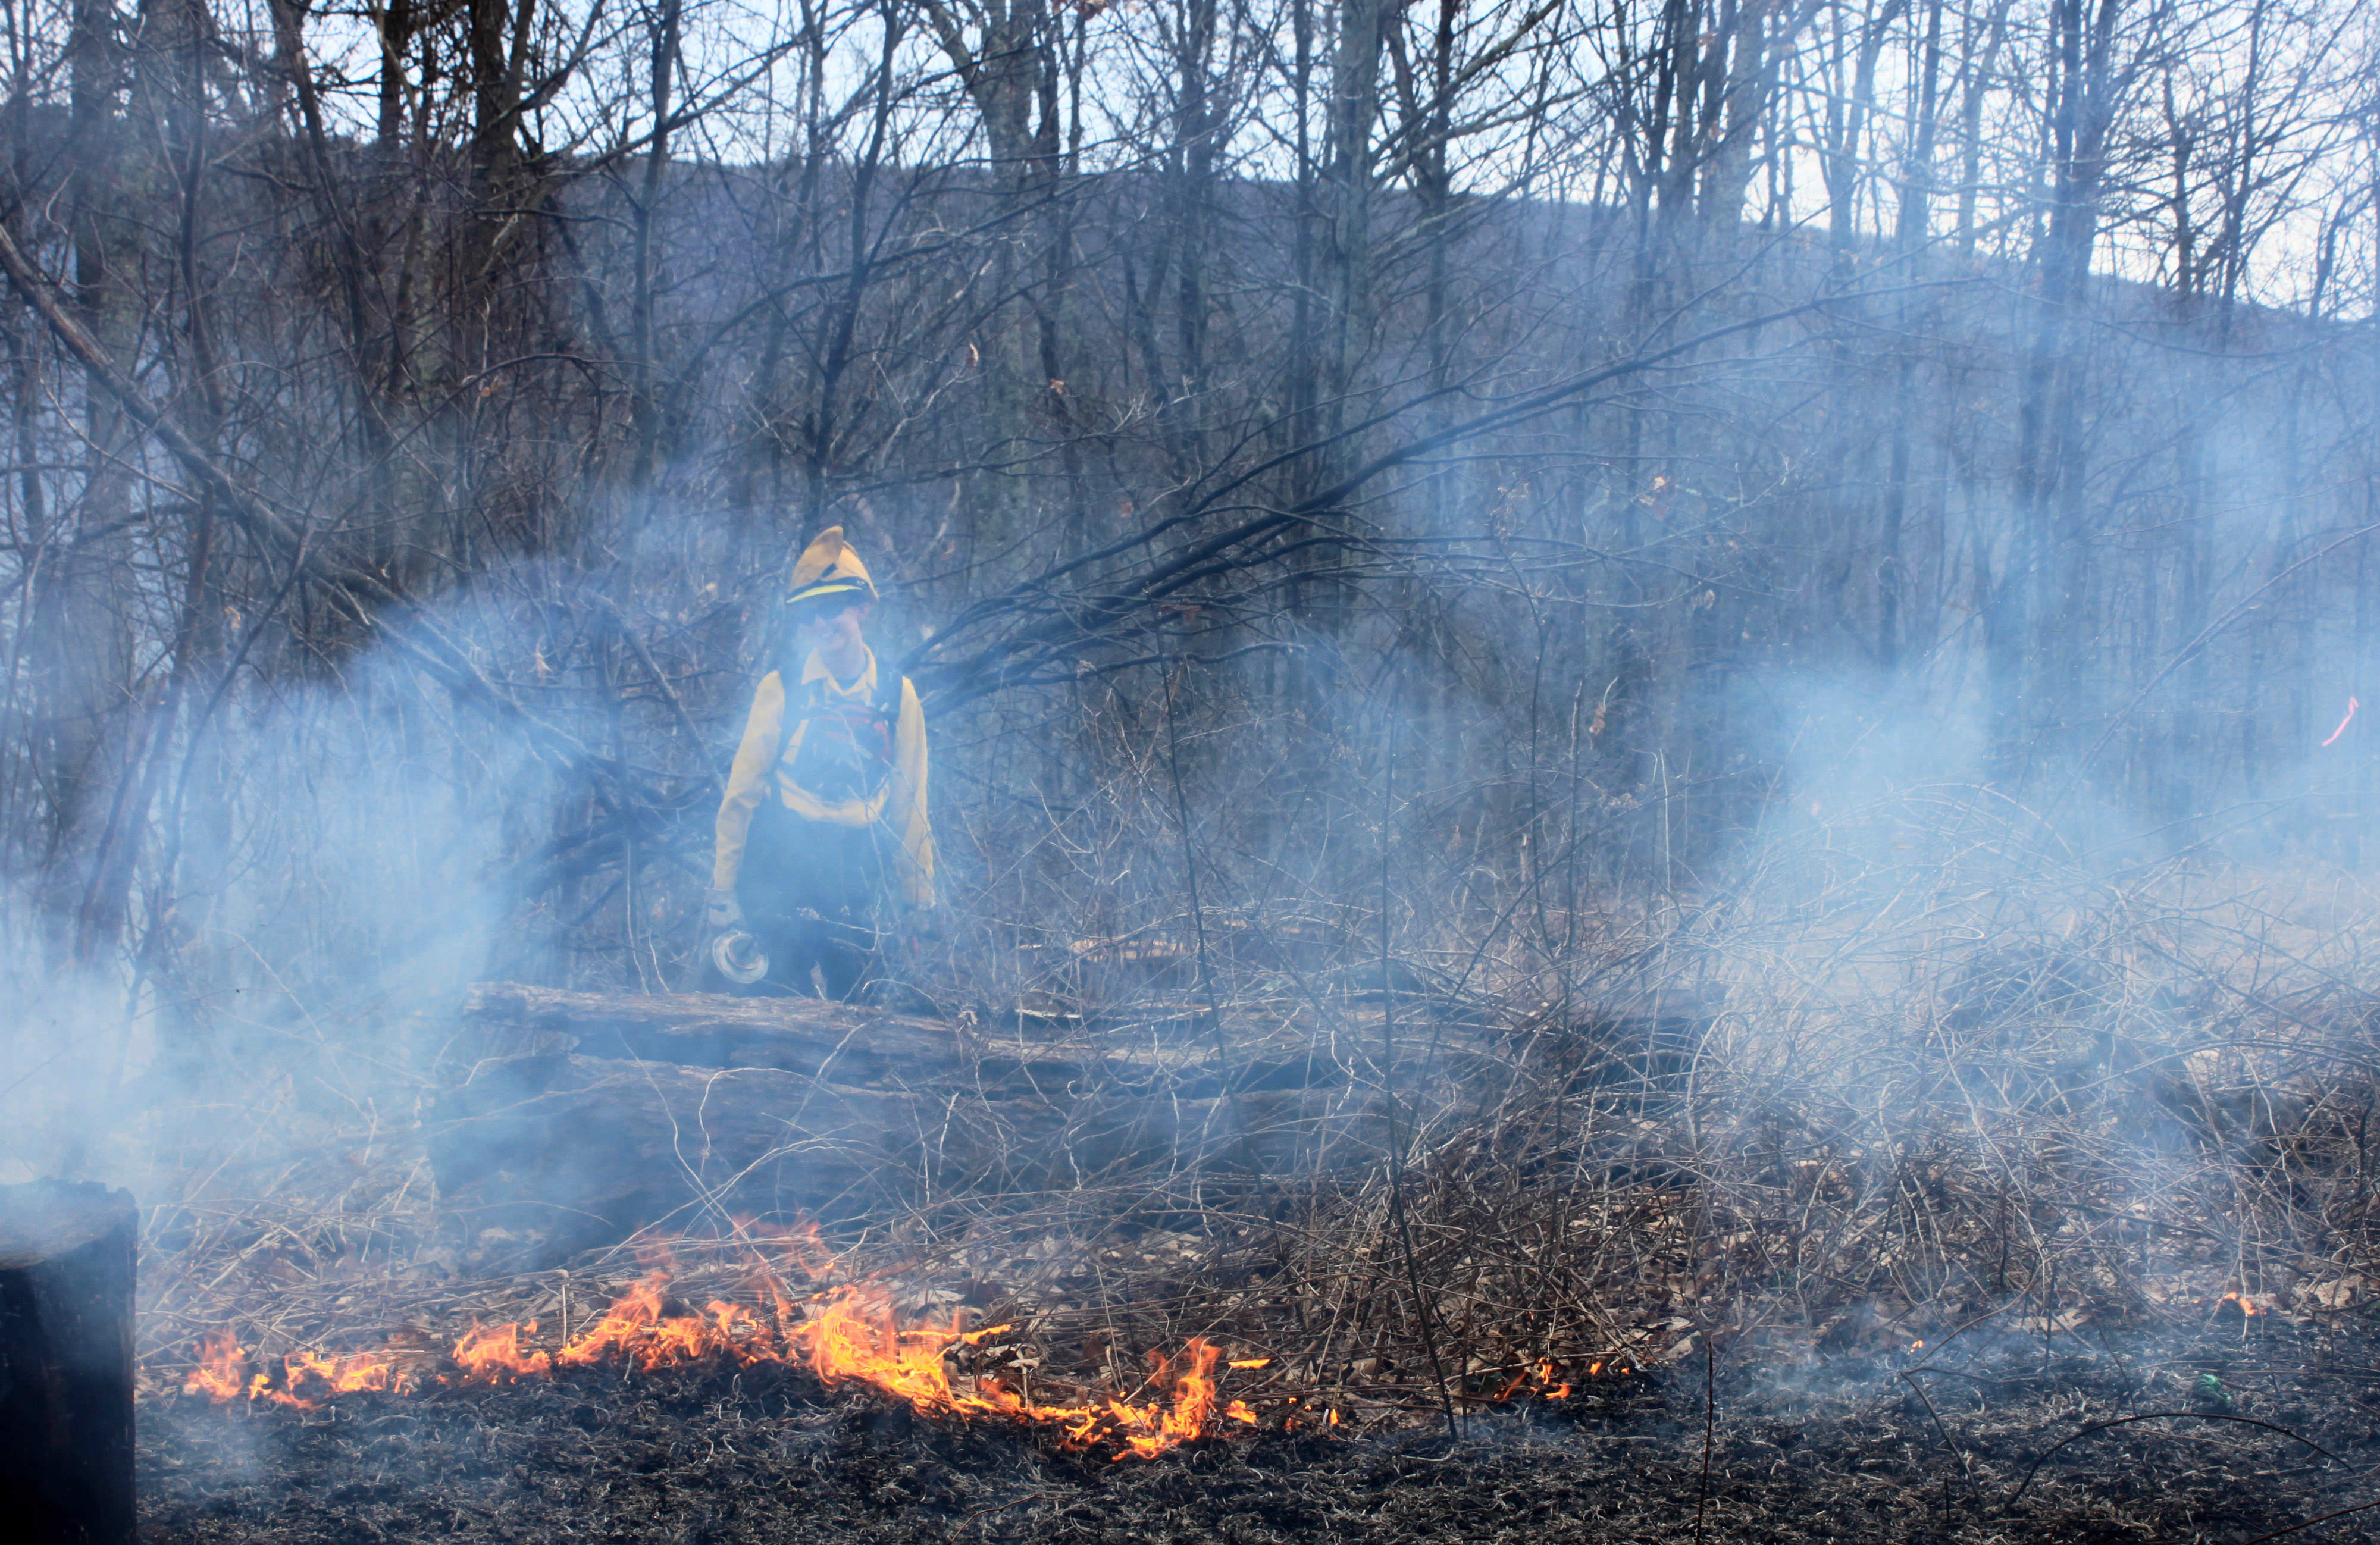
{"type": "Point", "coordinates": [823, 826]}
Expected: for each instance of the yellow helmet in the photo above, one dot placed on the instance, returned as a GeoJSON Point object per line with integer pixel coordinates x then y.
{"type": "Point", "coordinates": [828, 566]}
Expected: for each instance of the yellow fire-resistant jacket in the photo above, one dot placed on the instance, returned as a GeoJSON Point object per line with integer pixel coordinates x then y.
{"type": "Point", "coordinates": [900, 804]}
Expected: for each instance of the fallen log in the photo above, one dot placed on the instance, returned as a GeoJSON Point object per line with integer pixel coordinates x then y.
{"type": "Point", "coordinates": [849, 1045]}
{"type": "Point", "coordinates": [843, 1042]}
{"type": "Point", "coordinates": [561, 1152]}
{"type": "Point", "coordinates": [68, 1259]}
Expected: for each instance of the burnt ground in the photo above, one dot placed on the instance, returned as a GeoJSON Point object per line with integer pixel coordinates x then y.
{"type": "Point", "coordinates": [1839, 1450]}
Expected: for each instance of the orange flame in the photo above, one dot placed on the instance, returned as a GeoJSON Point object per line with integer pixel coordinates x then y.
{"type": "Point", "coordinates": [1544, 1381]}
{"type": "Point", "coordinates": [221, 1373]}
{"type": "Point", "coordinates": [339, 1375]}
{"type": "Point", "coordinates": [852, 1335]}
{"type": "Point", "coordinates": [495, 1357]}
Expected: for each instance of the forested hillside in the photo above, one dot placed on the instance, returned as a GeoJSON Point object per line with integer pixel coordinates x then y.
{"type": "Point", "coordinates": [1498, 458]}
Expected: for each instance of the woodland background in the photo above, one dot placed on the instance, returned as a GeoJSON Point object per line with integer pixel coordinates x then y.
{"type": "Point", "coordinates": [1448, 475]}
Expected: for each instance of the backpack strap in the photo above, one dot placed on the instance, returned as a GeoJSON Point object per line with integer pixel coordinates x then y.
{"type": "Point", "coordinates": [789, 675]}
{"type": "Point", "coordinates": [886, 702]}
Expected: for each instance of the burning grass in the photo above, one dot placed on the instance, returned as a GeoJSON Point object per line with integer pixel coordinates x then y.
{"type": "Point", "coordinates": [851, 1334]}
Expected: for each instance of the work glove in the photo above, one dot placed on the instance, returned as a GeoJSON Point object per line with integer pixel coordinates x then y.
{"type": "Point", "coordinates": [720, 912]}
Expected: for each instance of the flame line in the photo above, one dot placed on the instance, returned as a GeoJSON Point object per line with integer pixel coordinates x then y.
{"type": "Point", "coordinates": [852, 1335]}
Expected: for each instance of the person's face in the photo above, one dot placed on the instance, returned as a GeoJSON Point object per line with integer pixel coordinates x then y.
{"type": "Point", "coordinates": [839, 633]}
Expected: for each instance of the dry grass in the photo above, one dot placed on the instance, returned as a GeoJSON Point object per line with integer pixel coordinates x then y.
{"type": "Point", "coordinates": [1853, 1104]}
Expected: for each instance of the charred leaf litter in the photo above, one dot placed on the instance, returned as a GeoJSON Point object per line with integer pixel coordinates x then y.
{"type": "Point", "coordinates": [2272, 1426]}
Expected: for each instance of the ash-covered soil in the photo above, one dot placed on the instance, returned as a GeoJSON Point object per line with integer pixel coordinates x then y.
{"type": "Point", "coordinates": [1839, 1450]}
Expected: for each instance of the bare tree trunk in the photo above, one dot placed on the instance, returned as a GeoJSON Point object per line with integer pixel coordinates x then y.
{"type": "Point", "coordinates": [80, 653]}
{"type": "Point", "coordinates": [1747, 98]}
{"type": "Point", "coordinates": [648, 410]}
{"type": "Point", "coordinates": [2032, 642]}
{"type": "Point", "coordinates": [396, 30]}
{"type": "Point", "coordinates": [1916, 186]}
{"type": "Point", "coordinates": [1847, 131]}
{"type": "Point", "coordinates": [1977, 76]}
